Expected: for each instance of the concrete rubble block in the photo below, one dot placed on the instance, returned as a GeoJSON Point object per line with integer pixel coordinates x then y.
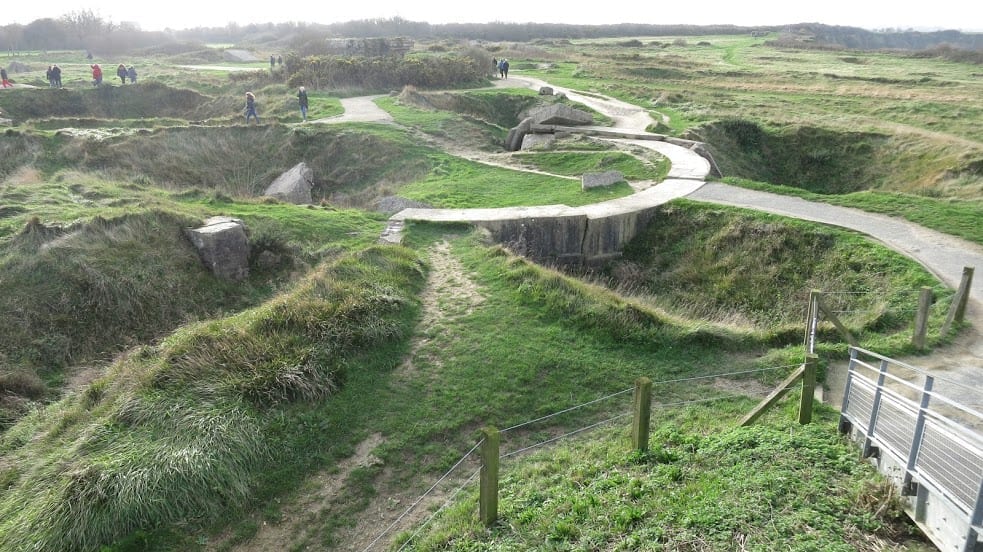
{"type": "Point", "coordinates": [537, 141]}
{"type": "Point", "coordinates": [393, 233]}
{"type": "Point", "coordinates": [223, 247]}
{"type": "Point", "coordinates": [513, 142]}
{"type": "Point", "coordinates": [545, 91]}
{"type": "Point", "coordinates": [597, 180]}
{"type": "Point", "coordinates": [559, 114]}
{"type": "Point", "coordinates": [293, 186]}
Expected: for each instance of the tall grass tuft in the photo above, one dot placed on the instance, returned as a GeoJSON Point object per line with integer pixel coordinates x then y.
{"type": "Point", "coordinates": [177, 433]}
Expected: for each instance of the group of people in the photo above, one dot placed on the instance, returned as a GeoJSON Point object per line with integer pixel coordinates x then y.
{"type": "Point", "coordinates": [503, 67]}
{"type": "Point", "coordinates": [53, 76]}
{"type": "Point", "coordinates": [122, 71]}
{"type": "Point", "coordinates": [274, 61]}
{"type": "Point", "coordinates": [251, 105]}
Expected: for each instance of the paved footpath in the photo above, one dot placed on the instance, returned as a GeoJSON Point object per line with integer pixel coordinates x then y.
{"type": "Point", "coordinates": [943, 255]}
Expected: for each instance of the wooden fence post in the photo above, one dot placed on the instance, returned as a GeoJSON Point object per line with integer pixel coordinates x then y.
{"type": "Point", "coordinates": [488, 497]}
{"type": "Point", "coordinates": [957, 310]}
{"type": "Point", "coordinates": [921, 317]}
{"type": "Point", "coordinates": [812, 313]}
{"type": "Point", "coordinates": [643, 411]}
{"type": "Point", "coordinates": [808, 389]}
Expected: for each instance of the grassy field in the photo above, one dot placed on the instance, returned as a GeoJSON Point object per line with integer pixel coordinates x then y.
{"type": "Point", "coordinates": [148, 406]}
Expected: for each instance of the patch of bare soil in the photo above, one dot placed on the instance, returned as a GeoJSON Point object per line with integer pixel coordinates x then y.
{"type": "Point", "coordinates": [751, 388]}
{"type": "Point", "coordinates": [449, 294]}
{"type": "Point", "coordinates": [320, 491]}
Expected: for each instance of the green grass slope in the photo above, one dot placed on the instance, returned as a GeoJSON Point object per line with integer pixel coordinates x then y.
{"type": "Point", "coordinates": [190, 429]}
{"type": "Point", "coordinates": [702, 485]}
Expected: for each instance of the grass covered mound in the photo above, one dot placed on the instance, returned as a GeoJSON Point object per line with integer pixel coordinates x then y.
{"type": "Point", "coordinates": [243, 161]}
{"type": "Point", "coordinates": [756, 269]}
{"type": "Point", "coordinates": [778, 486]}
{"type": "Point", "coordinates": [146, 100]}
{"type": "Point", "coordinates": [186, 431]}
{"type": "Point", "coordinates": [127, 276]}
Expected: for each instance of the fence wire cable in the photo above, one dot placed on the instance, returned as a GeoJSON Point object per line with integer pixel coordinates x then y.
{"type": "Point", "coordinates": [694, 401]}
{"type": "Point", "coordinates": [430, 490]}
{"type": "Point", "coordinates": [630, 389]}
{"type": "Point", "coordinates": [564, 411]}
{"type": "Point", "coordinates": [439, 510]}
{"type": "Point", "coordinates": [728, 374]}
{"type": "Point", "coordinates": [565, 435]}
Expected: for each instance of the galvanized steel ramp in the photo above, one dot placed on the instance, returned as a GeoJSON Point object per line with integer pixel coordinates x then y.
{"type": "Point", "coordinates": [929, 445]}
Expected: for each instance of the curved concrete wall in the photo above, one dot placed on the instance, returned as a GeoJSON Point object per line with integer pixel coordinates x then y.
{"type": "Point", "coordinates": [558, 234]}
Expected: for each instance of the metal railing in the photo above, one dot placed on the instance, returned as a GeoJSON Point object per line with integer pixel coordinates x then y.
{"type": "Point", "coordinates": [893, 407]}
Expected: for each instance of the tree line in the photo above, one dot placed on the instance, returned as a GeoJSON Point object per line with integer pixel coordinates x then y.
{"type": "Point", "coordinates": [86, 30]}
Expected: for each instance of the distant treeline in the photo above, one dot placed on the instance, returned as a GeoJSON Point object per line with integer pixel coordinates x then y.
{"type": "Point", "coordinates": [85, 30]}
{"type": "Point", "coordinates": [853, 38]}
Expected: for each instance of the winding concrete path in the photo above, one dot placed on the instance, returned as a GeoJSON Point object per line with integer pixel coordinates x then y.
{"type": "Point", "coordinates": [687, 171]}
{"type": "Point", "coordinates": [943, 255]}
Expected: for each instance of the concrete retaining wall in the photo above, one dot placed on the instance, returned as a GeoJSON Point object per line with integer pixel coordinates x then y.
{"type": "Point", "coordinates": [555, 239]}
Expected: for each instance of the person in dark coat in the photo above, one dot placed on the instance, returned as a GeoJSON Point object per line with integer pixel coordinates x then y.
{"type": "Point", "coordinates": [302, 100]}
{"type": "Point", "coordinates": [131, 74]}
{"type": "Point", "coordinates": [56, 76]}
{"type": "Point", "coordinates": [251, 107]}
{"type": "Point", "coordinates": [505, 68]}
{"type": "Point", "coordinates": [121, 73]}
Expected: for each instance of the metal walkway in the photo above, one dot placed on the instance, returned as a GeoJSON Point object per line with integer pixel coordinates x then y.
{"type": "Point", "coordinates": [927, 443]}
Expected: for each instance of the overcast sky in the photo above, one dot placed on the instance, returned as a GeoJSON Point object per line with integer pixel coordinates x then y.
{"type": "Point", "coordinates": [181, 14]}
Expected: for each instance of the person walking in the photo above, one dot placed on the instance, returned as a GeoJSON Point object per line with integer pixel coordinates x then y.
{"type": "Point", "coordinates": [3, 77]}
{"type": "Point", "coordinates": [50, 77]}
{"type": "Point", "coordinates": [96, 74]}
{"type": "Point", "coordinates": [251, 107]}
{"type": "Point", "coordinates": [505, 68]}
{"type": "Point", "coordinates": [131, 74]}
{"type": "Point", "coordinates": [121, 73]}
{"type": "Point", "coordinates": [501, 68]}
{"type": "Point", "coordinates": [56, 76]}
{"type": "Point", "coordinates": [272, 62]}
{"type": "Point", "coordinates": [302, 100]}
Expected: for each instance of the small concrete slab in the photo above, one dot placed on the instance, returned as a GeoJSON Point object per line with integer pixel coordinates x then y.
{"type": "Point", "coordinates": [538, 141]}
{"type": "Point", "coordinates": [599, 180]}
{"type": "Point", "coordinates": [560, 114]}
{"type": "Point", "coordinates": [233, 54]}
{"type": "Point", "coordinates": [223, 247]}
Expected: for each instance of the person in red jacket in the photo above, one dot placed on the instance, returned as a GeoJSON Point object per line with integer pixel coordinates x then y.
{"type": "Point", "coordinates": [96, 75]}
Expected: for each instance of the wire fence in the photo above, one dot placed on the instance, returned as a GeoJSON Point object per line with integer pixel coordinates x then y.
{"type": "Point", "coordinates": [542, 443]}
